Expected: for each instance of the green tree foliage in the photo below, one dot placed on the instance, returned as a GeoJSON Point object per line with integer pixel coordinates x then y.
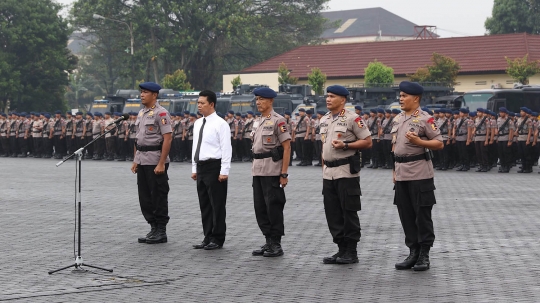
{"type": "Point", "coordinates": [34, 57]}
{"type": "Point", "coordinates": [521, 69]}
{"type": "Point", "coordinates": [514, 16]}
{"type": "Point", "coordinates": [378, 73]}
{"type": "Point", "coordinates": [176, 81]}
{"type": "Point", "coordinates": [317, 79]}
{"type": "Point", "coordinates": [443, 70]}
{"type": "Point", "coordinates": [204, 38]}
{"type": "Point", "coordinates": [284, 75]}
{"type": "Point", "coordinates": [236, 81]}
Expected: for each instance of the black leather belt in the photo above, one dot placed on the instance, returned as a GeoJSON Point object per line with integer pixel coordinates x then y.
{"type": "Point", "coordinates": [148, 148]}
{"type": "Point", "coordinates": [209, 161]}
{"type": "Point", "coordinates": [409, 159]}
{"type": "Point", "coordinates": [300, 132]}
{"type": "Point", "coordinates": [262, 156]}
{"type": "Point", "coordinates": [336, 163]}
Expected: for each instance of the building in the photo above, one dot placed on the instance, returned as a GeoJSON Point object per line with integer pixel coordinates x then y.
{"type": "Point", "coordinates": [482, 60]}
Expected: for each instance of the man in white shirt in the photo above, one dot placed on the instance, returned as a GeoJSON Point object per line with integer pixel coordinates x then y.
{"type": "Point", "coordinates": [211, 162]}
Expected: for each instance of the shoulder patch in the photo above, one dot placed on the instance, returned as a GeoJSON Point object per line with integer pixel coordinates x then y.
{"type": "Point", "coordinates": [162, 114]}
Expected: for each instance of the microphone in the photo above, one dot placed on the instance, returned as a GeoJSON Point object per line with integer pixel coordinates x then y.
{"type": "Point", "coordinates": [124, 117]}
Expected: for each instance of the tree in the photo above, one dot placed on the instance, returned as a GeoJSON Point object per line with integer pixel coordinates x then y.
{"type": "Point", "coordinates": [443, 70]}
{"type": "Point", "coordinates": [514, 16]}
{"type": "Point", "coordinates": [34, 57]}
{"type": "Point", "coordinates": [378, 73]}
{"type": "Point", "coordinates": [284, 75]}
{"type": "Point", "coordinates": [176, 81]}
{"type": "Point", "coordinates": [236, 81]}
{"type": "Point", "coordinates": [317, 79]}
{"type": "Point", "coordinates": [521, 69]}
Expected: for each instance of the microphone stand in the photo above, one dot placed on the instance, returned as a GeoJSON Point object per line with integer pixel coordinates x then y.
{"type": "Point", "coordinates": [78, 168]}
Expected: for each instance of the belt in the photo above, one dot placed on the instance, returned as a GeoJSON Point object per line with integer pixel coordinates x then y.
{"type": "Point", "coordinates": [301, 132]}
{"type": "Point", "coordinates": [398, 159]}
{"type": "Point", "coordinates": [148, 148]}
{"type": "Point", "coordinates": [209, 161]}
{"type": "Point", "coordinates": [336, 163]}
{"type": "Point", "coordinates": [262, 156]}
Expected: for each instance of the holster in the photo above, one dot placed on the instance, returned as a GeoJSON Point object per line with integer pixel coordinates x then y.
{"type": "Point", "coordinates": [355, 162]}
{"type": "Point", "coordinates": [277, 153]}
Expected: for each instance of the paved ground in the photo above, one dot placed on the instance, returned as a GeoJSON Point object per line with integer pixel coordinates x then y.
{"type": "Point", "coordinates": [487, 248]}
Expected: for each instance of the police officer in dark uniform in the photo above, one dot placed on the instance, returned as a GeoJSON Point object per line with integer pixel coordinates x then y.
{"type": "Point", "coordinates": [151, 162]}
{"type": "Point", "coordinates": [343, 134]}
{"type": "Point", "coordinates": [413, 133]}
{"type": "Point", "coordinates": [271, 156]}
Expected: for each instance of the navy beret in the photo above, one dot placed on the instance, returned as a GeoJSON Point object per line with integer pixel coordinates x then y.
{"type": "Point", "coordinates": [186, 112]}
{"type": "Point", "coordinates": [321, 112]}
{"type": "Point", "coordinates": [257, 114]}
{"type": "Point", "coordinates": [472, 114]}
{"type": "Point", "coordinates": [14, 114]}
{"type": "Point", "coordinates": [239, 114]}
{"type": "Point", "coordinates": [172, 114]}
{"type": "Point", "coordinates": [296, 114]}
{"type": "Point", "coordinates": [133, 114]}
{"type": "Point", "coordinates": [251, 113]}
{"type": "Point", "coordinates": [338, 90]}
{"type": "Point", "coordinates": [58, 112]}
{"type": "Point", "coordinates": [411, 88]}
{"type": "Point", "coordinates": [388, 111]}
{"type": "Point", "coordinates": [380, 110]}
{"type": "Point", "coordinates": [456, 112]}
{"type": "Point", "coordinates": [107, 113]}
{"type": "Point", "coordinates": [287, 112]}
{"type": "Point", "coordinates": [358, 107]}
{"type": "Point", "coordinates": [243, 115]}
{"type": "Point", "coordinates": [265, 92]}
{"type": "Point", "coordinates": [221, 115]}
{"type": "Point", "coordinates": [523, 109]}
{"type": "Point", "coordinates": [90, 114]}
{"type": "Point", "coordinates": [313, 116]}
{"type": "Point", "coordinates": [193, 115]}
{"type": "Point", "coordinates": [464, 110]}
{"type": "Point", "coordinates": [231, 112]}
{"type": "Point", "coordinates": [68, 113]}
{"type": "Point", "coordinates": [78, 113]}
{"type": "Point", "coordinates": [396, 111]}
{"type": "Point", "coordinates": [301, 109]}
{"type": "Point", "coordinates": [24, 114]}
{"type": "Point", "coordinates": [535, 114]}
{"type": "Point", "coordinates": [28, 116]}
{"type": "Point", "coordinates": [3, 115]}
{"type": "Point", "coordinates": [429, 111]}
{"type": "Point", "coordinates": [47, 116]}
{"type": "Point", "coordinates": [199, 114]}
{"type": "Point", "coordinates": [309, 111]}
{"type": "Point", "coordinates": [435, 110]}
{"type": "Point", "coordinates": [373, 110]}
{"type": "Point", "coordinates": [151, 86]}
{"type": "Point", "coordinates": [480, 110]}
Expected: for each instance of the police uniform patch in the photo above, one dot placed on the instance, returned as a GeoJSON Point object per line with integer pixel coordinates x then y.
{"type": "Point", "coordinates": [269, 139]}
{"type": "Point", "coordinates": [416, 113]}
{"type": "Point", "coordinates": [359, 122]}
{"type": "Point", "coordinates": [282, 127]}
{"type": "Point", "coordinates": [339, 135]}
{"type": "Point", "coordinates": [433, 127]}
{"type": "Point", "coordinates": [151, 128]}
{"type": "Point", "coordinates": [151, 113]}
{"type": "Point", "coordinates": [162, 114]}
{"type": "Point", "coordinates": [269, 123]}
{"type": "Point", "coordinates": [342, 112]}
{"type": "Point", "coordinates": [163, 121]}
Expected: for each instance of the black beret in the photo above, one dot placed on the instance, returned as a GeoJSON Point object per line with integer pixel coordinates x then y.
{"type": "Point", "coordinates": [265, 92]}
{"type": "Point", "coordinates": [151, 86]}
{"type": "Point", "coordinates": [338, 90]}
{"type": "Point", "coordinates": [411, 88]}
{"type": "Point", "coordinates": [301, 109]}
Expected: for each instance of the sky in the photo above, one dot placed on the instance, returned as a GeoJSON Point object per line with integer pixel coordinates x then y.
{"type": "Point", "coordinates": [453, 18]}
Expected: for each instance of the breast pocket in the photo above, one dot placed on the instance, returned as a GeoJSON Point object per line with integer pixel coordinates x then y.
{"type": "Point", "coordinates": [340, 132]}
{"type": "Point", "coordinates": [268, 138]}
{"type": "Point", "coordinates": [150, 127]}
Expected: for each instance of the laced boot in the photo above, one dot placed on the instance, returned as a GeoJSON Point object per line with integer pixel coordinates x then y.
{"type": "Point", "coordinates": [152, 231]}
{"type": "Point", "coordinates": [409, 262]}
{"type": "Point", "coordinates": [342, 246]}
{"type": "Point", "coordinates": [350, 256]}
{"type": "Point", "coordinates": [159, 236]}
{"type": "Point", "coordinates": [423, 260]}
{"type": "Point", "coordinates": [274, 249]}
{"type": "Point", "coordinates": [263, 249]}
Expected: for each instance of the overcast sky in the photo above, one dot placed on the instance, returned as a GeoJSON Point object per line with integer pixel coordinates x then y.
{"type": "Point", "coordinates": [453, 18]}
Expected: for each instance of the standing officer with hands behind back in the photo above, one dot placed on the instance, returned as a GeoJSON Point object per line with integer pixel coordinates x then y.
{"type": "Point", "coordinates": [151, 161]}
{"type": "Point", "coordinates": [271, 156]}
{"type": "Point", "coordinates": [413, 133]}
{"type": "Point", "coordinates": [343, 133]}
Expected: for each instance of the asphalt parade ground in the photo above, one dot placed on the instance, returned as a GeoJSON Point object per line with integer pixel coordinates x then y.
{"type": "Point", "coordinates": [487, 247]}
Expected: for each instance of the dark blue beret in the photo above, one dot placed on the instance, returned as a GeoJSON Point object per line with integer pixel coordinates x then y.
{"type": "Point", "coordinates": [301, 109]}
{"type": "Point", "coordinates": [380, 110]}
{"type": "Point", "coordinates": [313, 116]}
{"type": "Point", "coordinates": [47, 116]}
{"type": "Point", "coordinates": [358, 107]}
{"type": "Point", "coordinates": [108, 113]}
{"type": "Point", "coordinates": [3, 114]}
{"type": "Point", "coordinates": [297, 114]}
{"type": "Point", "coordinates": [90, 114]}
{"type": "Point", "coordinates": [257, 114]}
{"type": "Point", "coordinates": [338, 90]}
{"type": "Point", "coordinates": [243, 115]}
{"type": "Point", "coordinates": [456, 112]}
{"type": "Point", "coordinates": [523, 109]}
{"type": "Point", "coordinates": [193, 115]}
{"type": "Point", "coordinates": [535, 114]}
{"type": "Point", "coordinates": [151, 86]}
{"type": "Point", "coordinates": [411, 88]}
{"type": "Point", "coordinates": [251, 113]}
{"type": "Point", "coordinates": [239, 114]}
{"type": "Point", "coordinates": [58, 112]}
{"type": "Point", "coordinates": [435, 110]}
{"type": "Point", "coordinates": [388, 111]}
{"type": "Point", "coordinates": [265, 92]}
{"type": "Point", "coordinates": [373, 110]}
{"type": "Point", "coordinates": [68, 113]}
{"type": "Point", "coordinates": [15, 114]}
{"type": "Point", "coordinates": [472, 114]}
{"type": "Point", "coordinates": [309, 111]}
{"type": "Point", "coordinates": [78, 113]}
{"type": "Point", "coordinates": [464, 110]}
{"type": "Point", "coordinates": [231, 112]}
{"type": "Point", "coordinates": [199, 114]}
{"type": "Point", "coordinates": [28, 116]}
{"type": "Point", "coordinates": [396, 111]}
{"type": "Point", "coordinates": [221, 115]}
{"type": "Point", "coordinates": [287, 112]}
{"type": "Point", "coordinates": [186, 112]}
{"type": "Point", "coordinates": [24, 114]}
{"type": "Point", "coordinates": [321, 112]}
{"type": "Point", "coordinates": [480, 110]}
{"type": "Point", "coordinates": [172, 114]}
{"type": "Point", "coordinates": [133, 114]}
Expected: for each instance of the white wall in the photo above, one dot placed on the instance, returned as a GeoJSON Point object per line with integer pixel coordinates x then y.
{"type": "Point", "coordinates": [270, 79]}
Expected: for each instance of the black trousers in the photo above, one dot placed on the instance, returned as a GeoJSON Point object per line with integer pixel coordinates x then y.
{"type": "Point", "coordinates": [481, 153]}
{"type": "Point", "coordinates": [189, 149]}
{"type": "Point", "coordinates": [505, 153]}
{"type": "Point", "coordinates": [90, 148]}
{"type": "Point", "coordinates": [69, 144]}
{"type": "Point", "coordinates": [38, 146]}
{"type": "Point", "coordinates": [463, 153]}
{"type": "Point", "coordinates": [341, 206]}
{"type": "Point", "coordinates": [366, 156]}
{"type": "Point", "coordinates": [444, 155]}
{"type": "Point", "coordinates": [59, 146]}
{"type": "Point", "coordinates": [13, 145]}
{"type": "Point", "coordinates": [318, 150]}
{"type": "Point", "coordinates": [233, 146]}
{"type": "Point", "coordinates": [110, 142]}
{"type": "Point", "coordinates": [153, 194]}
{"type": "Point", "coordinates": [300, 148]}
{"type": "Point", "coordinates": [79, 142]}
{"type": "Point", "coordinates": [492, 153]}
{"type": "Point", "coordinates": [23, 145]}
{"type": "Point", "coordinates": [414, 201]}
{"type": "Point", "coordinates": [375, 151]}
{"type": "Point", "coordinates": [30, 144]}
{"type": "Point", "coordinates": [46, 147]}
{"type": "Point", "coordinates": [269, 201]}
{"type": "Point", "coordinates": [177, 153]}
{"type": "Point", "coordinates": [212, 200]}
{"type": "Point", "coordinates": [247, 149]}
{"type": "Point", "coordinates": [5, 145]}
{"type": "Point", "coordinates": [239, 148]}
{"type": "Point", "coordinates": [387, 151]}
{"type": "Point", "coordinates": [121, 146]}
{"type": "Point", "coordinates": [307, 151]}
{"type": "Point", "coordinates": [100, 147]}
{"type": "Point", "coordinates": [525, 154]}
{"type": "Point", "coordinates": [131, 147]}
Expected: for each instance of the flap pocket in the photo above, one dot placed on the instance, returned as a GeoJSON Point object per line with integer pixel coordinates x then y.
{"type": "Point", "coordinates": [354, 192]}
{"type": "Point", "coordinates": [427, 187]}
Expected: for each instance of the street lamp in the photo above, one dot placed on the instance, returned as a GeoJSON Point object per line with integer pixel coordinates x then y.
{"type": "Point", "coordinates": [130, 28]}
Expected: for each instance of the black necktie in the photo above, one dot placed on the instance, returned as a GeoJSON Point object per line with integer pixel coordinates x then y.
{"type": "Point", "coordinates": [198, 150]}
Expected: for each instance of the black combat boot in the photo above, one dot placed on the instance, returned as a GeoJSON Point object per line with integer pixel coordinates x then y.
{"type": "Point", "coordinates": [423, 260]}
{"type": "Point", "coordinates": [342, 246]}
{"type": "Point", "coordinates": [350, 256]}
{"type": "Point", "coordinates": [409, 262]}
{"type": "Point", "coordinates": [263, 249]}
{"type": "Point", "coordinates": [148, 235]}
{"type": "Point", "coordinates": [274, 249]}
{"type": "Point", "coordinates": [159, 236]}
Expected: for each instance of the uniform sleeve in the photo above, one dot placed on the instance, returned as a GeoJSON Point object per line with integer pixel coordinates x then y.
{"type": "Point", "coordinates": [164, 122]}
{"type": "Point", "coordinates": [431, 130]}
{"type": "Point", "coordinates": [360, 129]}
{"type": "Point", "coordinates": [282, 130]}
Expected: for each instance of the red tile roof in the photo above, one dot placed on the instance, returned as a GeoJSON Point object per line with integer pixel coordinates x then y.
{"type": "Point", "coordinates": [478, 54]}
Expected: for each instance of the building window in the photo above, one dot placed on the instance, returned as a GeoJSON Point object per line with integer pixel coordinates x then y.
{"type": "Point", "coordinates": [480, 83]}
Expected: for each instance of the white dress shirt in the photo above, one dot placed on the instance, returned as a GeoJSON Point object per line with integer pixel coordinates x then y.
{"type": "Point", "coordinates": [215, 144]}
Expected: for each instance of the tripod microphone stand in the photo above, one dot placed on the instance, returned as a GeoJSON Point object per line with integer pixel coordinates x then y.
{"type": "Point", "coordinates": [79, 155]}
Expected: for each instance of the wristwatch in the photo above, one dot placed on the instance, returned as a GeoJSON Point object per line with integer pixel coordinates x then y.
{"type": "Point", "coordinates": [285, 175]}
{"type": "Point", "coordinates": [346, 147]}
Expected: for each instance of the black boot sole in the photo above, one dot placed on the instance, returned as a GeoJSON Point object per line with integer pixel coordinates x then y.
{"type": "Point", "coordinates": [329, 261]}
{"type": "Point", "coordinates": [162, 240]}
{"type": "Point", "coordinates": [141, 240]}
{"type": "Point", "coordinates": [346, 261]}
{"type": "Point", "coordinates": [423, 268]}
{"type": "Point", "coordinates": [404, 267]}
{"type": "Point", "coordinates": [271, 255]}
